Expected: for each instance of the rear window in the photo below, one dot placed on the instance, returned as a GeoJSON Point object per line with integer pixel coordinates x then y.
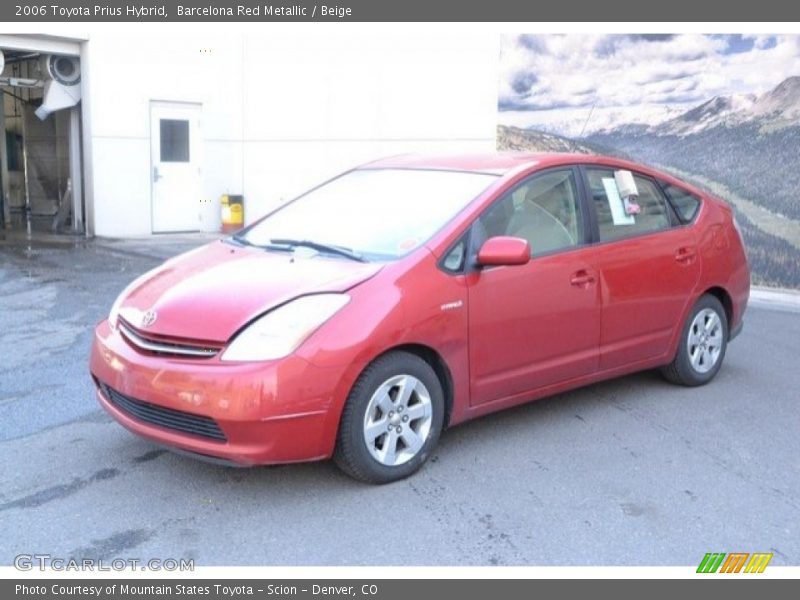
{"type": "Point", "coordinates": [684, 202]}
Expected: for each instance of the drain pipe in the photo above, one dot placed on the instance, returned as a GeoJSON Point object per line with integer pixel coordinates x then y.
{"type": "Point", "coordinates": [25, 171]}
{"type": "Point", "coordinates": [5, 212]}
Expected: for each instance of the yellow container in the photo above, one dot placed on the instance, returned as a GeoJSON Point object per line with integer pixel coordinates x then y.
{"type": "Point", "coordinates": [232, 212]}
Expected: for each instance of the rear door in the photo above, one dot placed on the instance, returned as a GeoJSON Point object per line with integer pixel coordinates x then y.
{"type": "Point", "coordinates": [648, 267]}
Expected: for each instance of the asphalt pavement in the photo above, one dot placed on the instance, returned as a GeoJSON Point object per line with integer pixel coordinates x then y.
{"type": "Point", "coordinates": [633, 471]}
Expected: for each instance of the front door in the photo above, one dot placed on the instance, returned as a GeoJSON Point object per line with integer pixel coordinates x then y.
{"type": "Point", "coordinates": [538, 324]}
{"type": "Point", "coordinates": [175, 166]}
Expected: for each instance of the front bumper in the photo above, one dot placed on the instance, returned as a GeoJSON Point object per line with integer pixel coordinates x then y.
{"type": "Point", "coordinates": [269, 412]}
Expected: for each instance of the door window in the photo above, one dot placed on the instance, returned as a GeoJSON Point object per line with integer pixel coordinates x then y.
{"type": "Point", "coordinates": [612, 220]}
{"type": "Point", "coordinates": [174, 135]}
{"type": "Point", "coordinates": [544, 210]}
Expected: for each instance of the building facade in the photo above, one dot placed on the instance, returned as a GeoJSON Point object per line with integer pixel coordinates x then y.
{"type": "Point", "coordinates": [167, 123]}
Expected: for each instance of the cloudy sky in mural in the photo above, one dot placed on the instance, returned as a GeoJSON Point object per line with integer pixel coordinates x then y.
{"type": "Point", "coordinates": [550, 77]}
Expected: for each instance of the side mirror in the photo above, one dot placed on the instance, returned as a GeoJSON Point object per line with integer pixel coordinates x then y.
{"type": "Point", "coordinates": [504, 251]}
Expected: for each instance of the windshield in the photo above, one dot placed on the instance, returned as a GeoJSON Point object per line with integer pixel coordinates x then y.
{"type": "Point", "coordinates": [378, 214]}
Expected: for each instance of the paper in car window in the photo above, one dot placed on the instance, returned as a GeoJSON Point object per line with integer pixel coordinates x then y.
{"type": "Point", "coordinates": [615, 203]}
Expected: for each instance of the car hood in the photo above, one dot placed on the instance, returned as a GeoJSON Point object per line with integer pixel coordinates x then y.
{"type": "Point", "coordinates": [210, 293]}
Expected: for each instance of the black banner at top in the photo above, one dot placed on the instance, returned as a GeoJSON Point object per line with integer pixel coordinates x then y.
{"type": "Point", "coordinates": [396, 11]}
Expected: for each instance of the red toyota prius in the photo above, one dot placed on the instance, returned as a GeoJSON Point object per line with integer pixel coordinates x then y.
{"type": "Point", "coordinates": [411, 294]}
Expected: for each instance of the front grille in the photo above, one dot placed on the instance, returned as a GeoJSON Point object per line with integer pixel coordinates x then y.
{"type": "Point", "coordinates": [168, 418]}
{"type": "Point", "coordinates": [164, 347]}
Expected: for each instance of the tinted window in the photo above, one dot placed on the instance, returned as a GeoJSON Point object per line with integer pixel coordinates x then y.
{"type": "Point", "coordinates": [612, 219]}
{"type": "Point", "coordinates": [174, 140]}
{"type": "Point", "coordinates": [544, 210]}
{"type": "Point", "coordinates": [684, 202]}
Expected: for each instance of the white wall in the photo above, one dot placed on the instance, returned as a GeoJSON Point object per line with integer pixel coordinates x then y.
{"type": "Point", "coordinates": [280, 112]}
{"type": "Point", "coordinates": [124, 73]}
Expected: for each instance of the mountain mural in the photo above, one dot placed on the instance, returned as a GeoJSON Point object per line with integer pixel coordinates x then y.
{"type": "Point", "coordinates": [516, 139]}
{"type": "Point", "coordinates": [744, 148]}
{"type": "Point", "coordinates": [777, 108]}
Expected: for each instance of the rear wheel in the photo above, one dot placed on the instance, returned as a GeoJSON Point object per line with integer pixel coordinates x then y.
{"type": "Point", "coordinates": [392, 419]}
{"type": "Point", "coordinates": [702, 346]}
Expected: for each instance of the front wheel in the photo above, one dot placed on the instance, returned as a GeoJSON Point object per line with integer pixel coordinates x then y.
{"type": "Point", "coordinates": [702, 346]}
{"type": "Point", "coordinates": [392, 419]}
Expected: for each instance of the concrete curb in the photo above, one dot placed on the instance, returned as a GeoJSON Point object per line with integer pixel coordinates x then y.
{"type": "Point", "coordinates": [777, 298]}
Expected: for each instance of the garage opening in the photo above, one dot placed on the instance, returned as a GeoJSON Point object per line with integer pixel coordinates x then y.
{"type": "Point", "coordinates": [40, 142]}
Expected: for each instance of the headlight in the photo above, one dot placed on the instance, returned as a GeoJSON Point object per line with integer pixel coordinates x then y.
{"type": "Point", "coordinates": [280, 332]}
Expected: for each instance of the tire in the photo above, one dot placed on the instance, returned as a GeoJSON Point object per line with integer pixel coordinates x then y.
{"type": "Point", "coordinates": [700, 353]}
{"type": "Point", "coordinates": [367, 448]}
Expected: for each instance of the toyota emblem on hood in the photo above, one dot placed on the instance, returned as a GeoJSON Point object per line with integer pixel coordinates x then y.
{"type": "Point", "coordinates": [149, 318]}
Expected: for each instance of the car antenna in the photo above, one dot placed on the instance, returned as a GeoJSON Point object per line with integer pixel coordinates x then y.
{"type": "Point", "coordinates": [586, 122]}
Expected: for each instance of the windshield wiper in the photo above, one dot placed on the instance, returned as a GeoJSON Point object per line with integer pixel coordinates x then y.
{"type": "Point", "coordinates": [241, 241]}
{"type": "Point", "coordinates": [319, 247]}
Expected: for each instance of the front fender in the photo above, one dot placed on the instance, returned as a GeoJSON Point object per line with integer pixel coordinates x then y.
{"type": "Point", "coordinates": [389, 311]}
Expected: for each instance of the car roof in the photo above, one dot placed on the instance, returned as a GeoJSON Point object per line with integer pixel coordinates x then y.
{"type": "Point", "coordinates": [497, 163]}
{"type": "Point", "coordinates": [507, 163]}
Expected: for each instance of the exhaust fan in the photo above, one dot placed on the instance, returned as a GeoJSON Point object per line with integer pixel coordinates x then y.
{"type": "Point", "coordinates": [62, 88]}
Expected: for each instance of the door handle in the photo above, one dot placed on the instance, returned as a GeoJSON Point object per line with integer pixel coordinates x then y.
{"type": "Point", "coordinates": [582, 278]}
{"type": "Point", "coordinates": [685, 254]}
{"type": "Point", "coordinates": [156, 174]}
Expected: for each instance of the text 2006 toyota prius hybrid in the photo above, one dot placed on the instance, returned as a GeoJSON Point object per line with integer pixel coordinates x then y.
{"type": "Point", "coordinates": [413, 293]}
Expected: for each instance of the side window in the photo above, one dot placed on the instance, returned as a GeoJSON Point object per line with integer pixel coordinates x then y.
{"type": "Point", "coordinates": [684, 202]}
{"type": "Point", "coordinates": [544, 210]}
{"type": "Point", "coordinates": [454, 261]}
{"type": "Point", "coordinates": [612, 220]}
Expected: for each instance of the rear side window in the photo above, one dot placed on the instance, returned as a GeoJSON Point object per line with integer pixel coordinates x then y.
{"type": "Point", "coordinates": [686, 203]}
{"type": "Point", "coordinates": [612, 220]}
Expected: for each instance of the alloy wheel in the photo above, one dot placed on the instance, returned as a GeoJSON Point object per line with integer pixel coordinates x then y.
{"type": "Point", "coordinates": [398, 420]}
{"type": "Point", "coordinates": [704, 342]}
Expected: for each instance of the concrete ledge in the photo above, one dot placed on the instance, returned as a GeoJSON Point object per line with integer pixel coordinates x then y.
{"type": "Point", "coordinates": [14, 237]}
{"type": "Point", "coordinates": [778, 298]}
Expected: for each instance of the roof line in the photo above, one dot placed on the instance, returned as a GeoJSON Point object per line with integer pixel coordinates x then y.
{"type": "Point", "coordinates": [366, 167]}
{"type": "Point", "coordinates": [377, 160]}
